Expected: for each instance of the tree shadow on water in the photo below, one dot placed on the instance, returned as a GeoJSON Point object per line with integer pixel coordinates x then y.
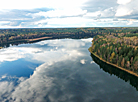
{"type": "Point", "coordinates": [133, 80]}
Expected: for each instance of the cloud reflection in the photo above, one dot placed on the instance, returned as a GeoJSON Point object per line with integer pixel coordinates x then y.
{"type": "Point", "coordinates": [15, 53]}
{"type": "Point", "coordinates": [57, 48]}
{"type": "Point", "coordinates": [41, 84]}
{"type": "Point", "coordinates": [83, 61]}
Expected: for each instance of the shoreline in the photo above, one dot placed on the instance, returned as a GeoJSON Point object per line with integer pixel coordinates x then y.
{"type": "Point", "coordinates": [126, 70]}
{"type": "Point", "coordinates": [25, 41]}
{"type": "Point", "coordinates": [22, 41]}
{"type": "Point", "coordinates": [36, 39]}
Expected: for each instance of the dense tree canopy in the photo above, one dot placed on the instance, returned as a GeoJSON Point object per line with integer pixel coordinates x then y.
{"type": "Point", "coordinates": [24, 35]}
{"type": "Point", "coordinates": [118, 49]}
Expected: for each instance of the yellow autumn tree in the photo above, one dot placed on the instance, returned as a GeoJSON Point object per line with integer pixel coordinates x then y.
{"type": "Point", "coordinates": [112, 56]}
{"type": "Point", "coordinates": [128, 64]}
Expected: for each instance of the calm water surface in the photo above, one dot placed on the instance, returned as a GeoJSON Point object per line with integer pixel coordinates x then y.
{"type": "Point", "coordinates": [60, 71]}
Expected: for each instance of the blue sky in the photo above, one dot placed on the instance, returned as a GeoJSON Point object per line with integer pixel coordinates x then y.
{"type": "Point", "coordinates": [68, 13]}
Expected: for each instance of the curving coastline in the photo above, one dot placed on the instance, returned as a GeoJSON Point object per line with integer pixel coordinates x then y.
{"type": "Point", "coordinates": [128, 71]}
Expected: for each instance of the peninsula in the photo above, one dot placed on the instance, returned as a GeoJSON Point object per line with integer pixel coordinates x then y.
{"type": "Point", "coordinates": [118, 49]}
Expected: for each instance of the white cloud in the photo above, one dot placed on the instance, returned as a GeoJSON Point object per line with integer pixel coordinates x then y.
{"type": "Point", "coordinates": [66, 22]}
{"type": "Point", "coordinates": [4, 22]}
{"type": "Point", "coordinates": [130, 9]}
{"type": "Point", "coordinates": [123, 11]}
{"type": "Point", "coordinates": [83, 61]}
{"type": "Point", "coordinates": [63, 49]}
{"type": "Point", "coordinates": [5, 89]}
{"type": "Point", "coordinates": [87, 40]}
{"type": "Point", "coordinates": [65, 13]}
{"type": "Point", "coordinates": [92, 62]}
{"type": "Point", "coordinates": [15, 53]}
{"type": "Point", "coordinates": [32, 4]}
{"type": "Point", "coordinates": [109, 12]}
{"type": "Point", "coordinates": [93, 14]}
{"type": "Point", "coordinates": [123, 1]}
{"type": "Point", "coordinates": [60, 13]}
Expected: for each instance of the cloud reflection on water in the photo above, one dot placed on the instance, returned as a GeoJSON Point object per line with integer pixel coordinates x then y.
{"type": "Point", "coordinates": [41, 86]}
{"type": "Point", "coordinates": [57, 48]}
{"type": "Point", "coordinates": [15, 53]}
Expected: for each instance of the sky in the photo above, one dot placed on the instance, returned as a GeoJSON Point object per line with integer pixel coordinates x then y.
{"type": "Point", "coordinates": [68, 13]}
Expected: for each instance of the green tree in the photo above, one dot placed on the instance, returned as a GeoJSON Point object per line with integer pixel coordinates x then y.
{"type": "Point", "coordinates": [122, 62]}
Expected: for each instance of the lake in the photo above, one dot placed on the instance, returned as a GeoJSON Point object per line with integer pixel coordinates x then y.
{"type": "Point", "coordinates": [61, 70]}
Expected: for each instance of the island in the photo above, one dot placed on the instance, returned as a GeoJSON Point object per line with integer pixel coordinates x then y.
{"type": "Point", "coordinates": [118, 48]}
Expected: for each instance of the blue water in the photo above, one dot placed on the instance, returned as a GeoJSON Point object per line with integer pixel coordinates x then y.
{"type": "Point", "coordinates": [59, 70]}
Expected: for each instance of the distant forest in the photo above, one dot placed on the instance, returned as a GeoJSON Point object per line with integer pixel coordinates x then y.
{"type": "Point", "coordinates": [119, 47]}
{"type": "Point", "coordinates": [17, 36]}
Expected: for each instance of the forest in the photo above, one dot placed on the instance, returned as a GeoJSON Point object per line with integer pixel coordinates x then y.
{"type": "Point", "coordinates": [28, 35]}
{"type": "Point", "coordinates": [119, 48]}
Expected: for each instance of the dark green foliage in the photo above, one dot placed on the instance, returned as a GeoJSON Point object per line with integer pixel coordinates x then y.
{"type": "Point", "coordinates": [8, 36]}
{"type": "Point", "coordinates": [125, 55]}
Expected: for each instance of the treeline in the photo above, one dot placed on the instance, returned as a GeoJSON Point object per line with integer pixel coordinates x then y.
{"type": "Point", "coordinates": [23, 35]}
{"type": "Point", "coordinates": [117, 50]}
{"type": "Point", "coordinates": [15, 36]}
